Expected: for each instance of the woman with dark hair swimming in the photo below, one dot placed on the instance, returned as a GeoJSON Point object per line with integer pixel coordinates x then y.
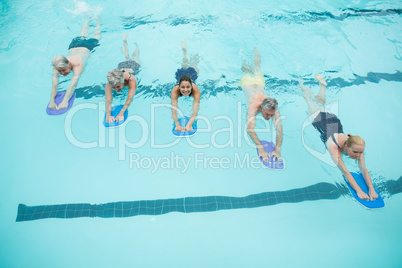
{"type": "Point", "coordinates": [336, 141]}
{"type": "Point", "coordinates": [185, 86]}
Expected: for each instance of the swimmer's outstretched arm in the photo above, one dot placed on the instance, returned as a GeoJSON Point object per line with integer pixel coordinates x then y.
{"type": "Point", "coordinates": [196, 106]}
{"type": "Point", "coordinates": [337, 158]}
{"type": "Point", "coordinates": [251, 132]}
{"type": "Point", "coordinates": [367, 178]}
{"type": "Point", "coordinates": [74, 81]}
{"type": "Point", "coordinates": [55, 81]}
{"type": "Point", "coordinates": [278, 126]}
{"type": "Point", "coordinates": [174, 97]}
{"type": "Point", "coordinates": [109, 99]}
{"type": "Point", "coordinates": [132, 87]}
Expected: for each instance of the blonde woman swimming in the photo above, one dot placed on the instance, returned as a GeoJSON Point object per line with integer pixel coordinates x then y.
{"type": "Point", "coordinates": [336, 141]}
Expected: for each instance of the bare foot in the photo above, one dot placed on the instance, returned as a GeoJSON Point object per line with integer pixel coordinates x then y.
{"type": "Point", "coordinates": [256, 52]}
{"type": "Point", "coordinates": [306, 92]}
{"type": "Point", "coordinates": [184, 44]}
{"type": "Point", "coordinates": [246, 67]}
{"type": "Point", "coordinates": [320, 80]}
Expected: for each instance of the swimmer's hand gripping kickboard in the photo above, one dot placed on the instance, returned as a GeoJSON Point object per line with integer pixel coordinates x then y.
{"type": "Point", "coordinates": [377, 203]}
{"type": "Point", "coordinates": [183, 122]}
{"type": "Point", "coordinates": [115, 111]}
{"type": "Point", "coordinates": [58, 99]}
{"type": "Point", "coordinates": [269, 147]}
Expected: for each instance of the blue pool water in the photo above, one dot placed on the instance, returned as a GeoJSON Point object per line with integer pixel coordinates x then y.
{"type": "Point", "coordinates": [74, 194]}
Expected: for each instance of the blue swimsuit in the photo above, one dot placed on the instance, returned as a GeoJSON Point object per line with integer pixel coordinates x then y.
{"type": "Point", "coordinates": [190, 72]}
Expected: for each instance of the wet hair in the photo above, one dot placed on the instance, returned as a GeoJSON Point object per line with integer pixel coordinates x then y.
{"type": "Point", "coordinates": [115, 77]}
{"type": "Point", "coordinates": [60, 61]}
{"type": "Point", "coordinates": [188, 79]}
{"type": "Point", "coordinates": [269, 103]}
{"type": "Point", "coordinates": [354, 140]}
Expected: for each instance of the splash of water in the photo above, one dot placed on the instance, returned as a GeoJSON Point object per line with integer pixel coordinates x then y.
{"type": "Point", "coordinates": [85, 10]}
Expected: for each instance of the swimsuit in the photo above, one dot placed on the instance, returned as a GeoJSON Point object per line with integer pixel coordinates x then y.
{"type": "Point", "coordinates": [328, 124]}
{"type": "Point", "coordinates": [252, 79]}
{"type": "Point", "coordinates": [130, 66]}
{"type": "Point", "coordinates": [81, 41]}
{"type": "Point", "coordinates": [190, 72]}
{"type": "Point", "coordinates": [129, 75]}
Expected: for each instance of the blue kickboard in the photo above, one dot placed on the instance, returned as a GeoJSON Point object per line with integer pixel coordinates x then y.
{"type": "Point", "coordinates": [183, 122]}
{"type": "Point", "coordinates": [269, 147]}
{"type": "Point", "coordinates": [115, 111]}
{"type": "Point", "coordinates": [377, 203]}
{"type": "Point", "coordinates": [58, 99]}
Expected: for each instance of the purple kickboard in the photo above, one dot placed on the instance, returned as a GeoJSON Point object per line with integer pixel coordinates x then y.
{"type": "Point", "coordinates": [58, 99]}
{"type": "Point", "coordinates": [269, 147]}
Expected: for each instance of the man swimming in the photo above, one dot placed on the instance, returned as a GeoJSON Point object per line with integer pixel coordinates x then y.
{"type": "Point", "coordinates": [258, 101]}
{"type": "Point", "coordinates": [79, 51]}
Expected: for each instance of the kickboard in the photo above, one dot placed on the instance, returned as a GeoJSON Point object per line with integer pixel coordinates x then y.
{"type": "Point", "coordinates": [183, 122]}
{"type": "Point", "coordinates": [269, 147]}
{"type": "Point", "coordinates": [115, 111]}
{"type": "Point", "coordinates": [58, 99]}
{"type": "Point", "coordinates": [377, 203]}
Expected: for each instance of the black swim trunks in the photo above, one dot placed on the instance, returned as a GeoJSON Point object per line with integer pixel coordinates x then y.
{"type": "Point", "coordinates": [190, 72]}
{"type": "Point", "coordinates": [327, 124]}
{"type": "Point", "coordinates": [81, 41]}
{"type": "Point", "coordinates": [129, 64]}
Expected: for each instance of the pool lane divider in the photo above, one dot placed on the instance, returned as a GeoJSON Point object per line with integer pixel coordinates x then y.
{"type": "Point", "coordinates": [319, 191]}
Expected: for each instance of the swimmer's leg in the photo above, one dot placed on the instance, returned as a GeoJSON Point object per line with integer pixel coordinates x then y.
{"type": "Point", "coordinates": [97, 30]}
{"type": "Point", "coordinates": [246, 66]}
{"type": "Point", "coordinates": [312, 107]}
{"type": "Point", "coordinates": [125, 46]}
{"type": "Point", "coordinates": [306, 91]}
{"type": "Point", "coordinates": [84, 29]}
{"type": "Point", "coordinates": [136, 55]}
{"type": "Point", "coordinates": [184, 63]}
{"type": "Point", "coordinates": [194, 60]}
{"type": "Point", "coordinates": [257, 61]}
{"type": "Point", "coordinates": [320, 98]}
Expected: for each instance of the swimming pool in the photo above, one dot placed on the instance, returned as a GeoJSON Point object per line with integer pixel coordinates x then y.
{"type": "Point", "coordinates": [242, 215]}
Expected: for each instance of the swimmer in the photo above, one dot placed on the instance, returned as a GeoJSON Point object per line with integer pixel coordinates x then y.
{"type": "Point", "coordinates": [185, 86]}
{"type": "Point", "coordinates": [79, 51]}
{"type": "Point", "coordinates": [258, 101]}
{"type": "Point", "coordinates": [120, 77]}
{"type": "Point", "coordinates": [336, 141]}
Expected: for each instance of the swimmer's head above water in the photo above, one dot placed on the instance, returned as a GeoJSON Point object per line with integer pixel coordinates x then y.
{"type": "Point", "coordinates": [268, 108]}
{"type": "Point", "coordinates": [115, 78]}
{"type": "Point", "coordinates": [354, 146]}
{"type": "Point", "coordinates": [185, 86]}
{"type": "Point", "coordinates": [61, 64]}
